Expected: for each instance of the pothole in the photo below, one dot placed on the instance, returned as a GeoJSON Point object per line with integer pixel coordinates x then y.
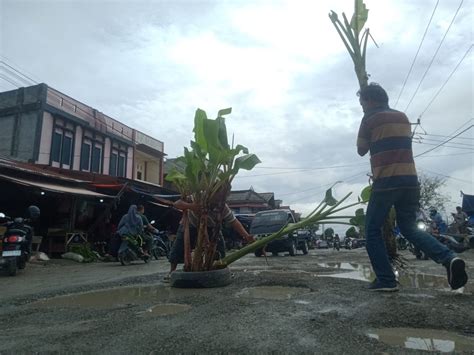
{"type": "Point", "coordinates": [272, 292]}
{"type": "Point", "coordinates": [423, 339]}
{"type": "Point", "coordinates": [414, 280]}
{"type": "Point", "coordinates": [116, 297]}
{"type": "Point", "coordinates": [166, 309]}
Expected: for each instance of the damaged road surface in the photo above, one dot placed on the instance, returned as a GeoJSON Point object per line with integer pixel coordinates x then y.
{"type": "Point", "coordinates": [315, 303]}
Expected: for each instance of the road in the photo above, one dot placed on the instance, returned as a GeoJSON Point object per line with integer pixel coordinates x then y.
{"type": "Point", "coordinates": [312, 303]}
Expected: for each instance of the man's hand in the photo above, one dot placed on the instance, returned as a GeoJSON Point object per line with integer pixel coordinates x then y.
{"type": "Point", "coordinates": [250, 239]}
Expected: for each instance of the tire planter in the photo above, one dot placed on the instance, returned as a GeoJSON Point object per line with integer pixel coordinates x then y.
{"type": "Point", "coordinates": [201, 279]}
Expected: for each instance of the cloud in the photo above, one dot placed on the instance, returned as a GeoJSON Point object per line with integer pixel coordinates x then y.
{"type": "Point", "coordinates": [279, 64]}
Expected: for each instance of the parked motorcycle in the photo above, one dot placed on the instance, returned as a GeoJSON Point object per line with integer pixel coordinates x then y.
{"type": "Point", "coordinates": [161, 245]}
{"type": "Point", "coordinates": [16, 246]}
{"type": "Point", "coordinates": [131, 250]}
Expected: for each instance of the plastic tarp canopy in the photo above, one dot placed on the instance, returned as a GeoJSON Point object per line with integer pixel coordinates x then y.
{"type": "Point", "coordinates": [468, 204]}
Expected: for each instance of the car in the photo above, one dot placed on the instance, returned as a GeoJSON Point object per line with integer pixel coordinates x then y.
{"type": "Point", "coordinates": [322, 244]}
{"type": "Point", "coordinates": [268, 222]}
{"type": "Point", "coordinates": [309, 236]}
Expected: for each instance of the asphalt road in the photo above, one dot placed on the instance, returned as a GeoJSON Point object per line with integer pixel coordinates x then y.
{"type": "Point", "coordinates": [316, 303]}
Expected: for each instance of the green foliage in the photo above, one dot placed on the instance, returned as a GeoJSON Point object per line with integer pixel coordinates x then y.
{"type": "Point", "coordinates": [86, 251]}
{"type": "Point", "coordinates": [352, 232]}
{"type": "Point", "coordinates": [431, 192]}
{"type": "Point", "coordinates": [349, 33]}
{"type": "Point", "coordinates": [328, 233]}
{"type": "Point", "coordinates": [210, 166]}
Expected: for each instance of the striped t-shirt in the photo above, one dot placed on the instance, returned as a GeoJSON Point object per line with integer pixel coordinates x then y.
{"type": "Point", "coordinates": [226, 214]}
{"type": "Point", "coordinates": [386, 133]}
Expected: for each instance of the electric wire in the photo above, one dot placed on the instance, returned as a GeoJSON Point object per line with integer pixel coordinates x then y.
{"type": "Point", "coordinates": [446, 141]}
{"type": "Point", "coordinates": [416, 55]}
{"type": "Point", "coordinates": [434, 57]}
{"type": "Point", "coordinates": [446, 176]}
{"type": "Point", "coordinates": [18, 71]}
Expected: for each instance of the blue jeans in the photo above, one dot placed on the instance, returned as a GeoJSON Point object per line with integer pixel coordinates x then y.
{"type": "Point", "coordinates": [405, 202]}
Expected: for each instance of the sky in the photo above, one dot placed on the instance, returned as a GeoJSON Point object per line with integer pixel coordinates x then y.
{"type": "Point", "coordinates": [280, 65]}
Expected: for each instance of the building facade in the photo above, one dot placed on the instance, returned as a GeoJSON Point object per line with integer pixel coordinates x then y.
{"type": "Point", "coordinates": [43, 126]}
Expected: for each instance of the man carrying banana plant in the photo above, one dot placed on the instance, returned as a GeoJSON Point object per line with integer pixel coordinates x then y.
{"type": "Point", "coordinates": [386, 133]}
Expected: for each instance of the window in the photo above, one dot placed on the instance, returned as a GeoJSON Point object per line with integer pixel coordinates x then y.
{"type": "Point", "coordinates": [61, 146]}
{"type": "Point", "coordinates": [96, 158]}
{"type": "Point", "coordinates": [66, 151]}
{"type": "Point", "coordinates": [113, 164]}
{"type": "Point", "coordinates": [121, 165]}
{"type": "Point", "coordinates": [85, 156]}
{"type": "Point", "coordinates": [56, 147]}
{"type": "Point", "coordinates": [118, 163]}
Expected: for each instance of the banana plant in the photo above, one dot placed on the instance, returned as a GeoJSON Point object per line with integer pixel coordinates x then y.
{"type": "Point", "coordinates": [355, 43]}
{"type": "Point", "coordinates": [211, 164]}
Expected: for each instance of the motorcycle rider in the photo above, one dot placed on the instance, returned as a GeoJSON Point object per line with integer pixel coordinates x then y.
{"type": "Point", "coordinates": [147, 238]}
{"type": "Point", "coordinates": [438, 220]}
{"type": "Point", "coordinates": [130, 228]}
{"type": "Point", "coordinates": [337, 242]}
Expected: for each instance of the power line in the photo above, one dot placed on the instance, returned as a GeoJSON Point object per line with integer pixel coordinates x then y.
{"type": "Point", "coordinates": [9, 80]}
{"type": "Point", "coordinates": [446, 141]}
{"type": "Point", "coordinates": [18, 71]}
{"type": "Point", "coordinates": [301, 170]}
{"type": "Point", "coordinates": [434, 56]}
{"type": "Point", "coordinates": [446, 155]}
{"type": "Point", "coordinates": [422, 141]}
{"type": "Point", "coordinates": [443, 136]}
{"type": "Point", "coordinates": [449, 77]}
{"type": "Point", "coordinates": [446, 176]}
{"type": "Point", "coordinates": [446, 146]}
{"type": "Point", "coordinates": [416, 55]}
{"type": "Point", "coordinates": [346, 179]}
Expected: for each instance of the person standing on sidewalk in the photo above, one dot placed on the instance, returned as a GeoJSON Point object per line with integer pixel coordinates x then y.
{"type": "Point", "coordinates": [386, 133]}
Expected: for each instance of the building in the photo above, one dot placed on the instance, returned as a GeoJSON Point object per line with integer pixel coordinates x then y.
{"type": "Point", "coordinates": [43, 126]}
{"type": "Point", "coordinates": [250, 202]}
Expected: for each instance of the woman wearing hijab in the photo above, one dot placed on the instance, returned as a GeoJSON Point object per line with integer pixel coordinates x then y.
{"type": "Point", "coordinates": [131, 226]}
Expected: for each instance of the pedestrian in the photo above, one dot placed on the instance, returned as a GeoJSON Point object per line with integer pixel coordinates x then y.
{"type": "Point", "coordinates": [386, 133]}
{"type": "Point", "coordinates": [460, 220]}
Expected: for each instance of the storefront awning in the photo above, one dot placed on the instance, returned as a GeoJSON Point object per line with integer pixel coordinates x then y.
{"type": "Point", "coordinates": [55, 187]}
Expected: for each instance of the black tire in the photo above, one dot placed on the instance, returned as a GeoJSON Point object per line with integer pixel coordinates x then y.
{"type": "Point", "coordinates": [12, 268]}
{"type": "Point", "coordinates": [125, 259]}
{"type": "Point", "coordinates": [155, 253]}
{"type": "Point", "coordinates": [292, 249]}
{"type": "Point", "coordinates": [304, 249]}
{"type": "Point", "coordinates": [22, 263]}
{"type": "Point", "coordinates": [201, 279]}
{"type": "Point", "coordinates": [258, 253]}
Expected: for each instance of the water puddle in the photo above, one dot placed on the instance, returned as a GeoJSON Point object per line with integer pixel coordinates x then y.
{"type": "Point", "coordinates": [423, 339]}
{"type": "Point", "coordinates": [272, 292]}
{"type": "Point", "coordinates": [415, 280]}
{"type": "Point", "coordinates": [116, 297]}
{"type": "Point", "coordinates": [166, 309]}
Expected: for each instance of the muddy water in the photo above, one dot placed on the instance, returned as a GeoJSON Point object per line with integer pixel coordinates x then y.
{"type": "Point", "coordinates": [415, 280]}
{"type": "Point", "coordinates": [272, 292]}
{"type": "Point", "coordinates": [423, 339]}
{"type": "Point", "coordinates": [166, 309]}
{"type": "Point", "coordinates": [117, 297]}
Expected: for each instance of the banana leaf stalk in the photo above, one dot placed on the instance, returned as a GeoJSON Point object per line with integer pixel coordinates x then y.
{"type": "Point", "coordinates": [319, 215]}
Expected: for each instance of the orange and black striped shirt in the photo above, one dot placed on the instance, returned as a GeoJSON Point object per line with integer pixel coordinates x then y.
{"type": "Point", "coordinates": [386, 133]}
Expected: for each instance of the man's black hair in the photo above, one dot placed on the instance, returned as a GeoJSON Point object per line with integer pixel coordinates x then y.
{"type": "Point", "coordinates": [140, 208]}
{"type": "Point", "coordinates": [373, 92]}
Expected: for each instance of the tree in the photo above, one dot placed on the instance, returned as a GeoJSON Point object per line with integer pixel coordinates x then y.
{"type": "Point", "coordinates": [430, 192]}
{"type": "Point", "coordinates": [328, 233]}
